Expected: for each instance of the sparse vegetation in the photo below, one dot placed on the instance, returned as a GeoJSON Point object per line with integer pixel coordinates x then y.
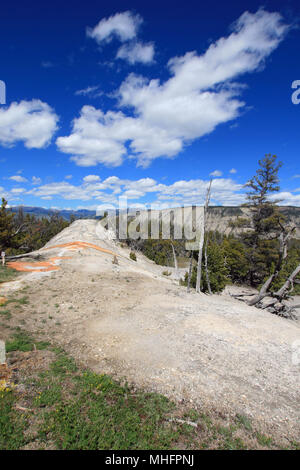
{"type": "Point", "coordinates": [20, 233]}
{"type": "Point", "coordinates": [72, 408]}
{"type": "Point", "coordinates": [22, 341]}
{"type": "Point", "coordinates": [7, 274]}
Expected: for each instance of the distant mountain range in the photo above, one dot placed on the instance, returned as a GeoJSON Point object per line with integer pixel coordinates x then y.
{"type": "Point", "coordinates": [66, 214]}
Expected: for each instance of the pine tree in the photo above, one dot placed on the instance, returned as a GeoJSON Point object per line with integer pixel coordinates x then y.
{"type": "Point", "coordinates": [7, 227]}
{"type": "Point", "coordinates": [265, 220]}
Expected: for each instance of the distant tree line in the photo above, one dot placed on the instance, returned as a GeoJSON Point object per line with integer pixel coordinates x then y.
{"type": "Point", "coordinates": [22, 233]}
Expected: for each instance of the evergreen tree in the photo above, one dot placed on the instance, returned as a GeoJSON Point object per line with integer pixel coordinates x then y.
{"type": "Point", "coordinates": [235, 259]}
{"type": "Point", "coordinates": [261, 241]}
{"type": "Point", "coordinates": [7, 226]}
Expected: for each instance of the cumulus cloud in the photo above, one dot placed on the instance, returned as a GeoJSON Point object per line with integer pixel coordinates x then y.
{"type": "Point", "coordinates": [36, 180]}
{"type": "Point", "coordinates": [63, 189]}
{"type": "Point", "coordinates": [18, 179]}
{"type": "Point", "coordinates": [17, 190]}
{"type": "Point", "coordinates": [287, 198]}
{"type": "Point", "coordinates": [225, 191]}
{"type": "Point", "coordinates": [92, 141]}
{"type": "Point", "coordinates": [233, 171]}
{"type": "Point", "coordinates": [91, 178]}
{"type": "Point", "coordinates": [165, 117]}
{"type": "Point", "coordinates": [122, 25]}
{"type": "Point", "coordinates": [32, 122]}
{"type": "Point", "coordinates": [216, 173]}
{"type": "Point", "coordinates": [136, 52]}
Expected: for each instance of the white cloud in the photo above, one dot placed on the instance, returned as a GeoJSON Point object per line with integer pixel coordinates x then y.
{"type": "Point", "coordinates": [167, 116]}
{"type": "Point", "coordinates": [17, 190]}
{"type": "Point", "coordinates": [216, 173]}
{"type": "Point", "coordinates": [63, 189]}
{"type": "Point", "coordinates": [287, 198]}
{"type": "Point", "coordinates": [122, 25]}
{"type": "Point", "coordinates": [18, 179]}
{"type": "Point", "coordinates": [68, 177]}
{"type": "Point", "coordinates": [91, 141]}
{"type": "Point", "coordinates": [91, 178]}
{"type": "Point", "coordinates": [4, 193]}
{"type": "Point", "coordinates": [36, 180]}
{"type": "Point", "coordinates": [133, 194]}
{"type": "Point", "coordinates": [32, 122]}
{"type": "Point", "coordinates": [225, 191]}
{"type": "Point", "coordinates": [136, 52]}
{"type": "Point", "coordinates": [233, 171]}
{"type": "Point", "coordinates": [92, 91]}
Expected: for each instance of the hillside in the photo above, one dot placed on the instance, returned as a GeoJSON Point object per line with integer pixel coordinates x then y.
{"type": "Point", "coordinates": [127, 319]}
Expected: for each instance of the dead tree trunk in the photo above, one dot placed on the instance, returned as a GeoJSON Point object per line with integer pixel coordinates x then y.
{"type": "Point", "coordinates": [206, 266]}
{"type": "Point", "coordinates": [175, 260]}
{"type": "Point", "coordinates": [190, 272]}
{"type": "Point", "coordinates": [201, 242]}
{"type": "Point", "coordinates": [199, 264]}
{"type": "Point", "coordinates": [288, 285]}
{"type": "Point", "coordinates": [283, 247]}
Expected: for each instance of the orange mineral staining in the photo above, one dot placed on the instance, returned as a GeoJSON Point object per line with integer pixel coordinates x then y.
{"type": "Point", "coordinates": [75, 245]}
{"type": "Point", "coordinates": [38, 266]}
{"type": "Point", "coordinates": [51, 264]}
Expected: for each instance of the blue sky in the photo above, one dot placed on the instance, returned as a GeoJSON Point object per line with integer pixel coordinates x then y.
{"type": "Point", "coordinates": [146, 102]}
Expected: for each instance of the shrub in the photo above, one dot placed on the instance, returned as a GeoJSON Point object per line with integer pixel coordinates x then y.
{"type": "Point", "coordinates": [132, 256]}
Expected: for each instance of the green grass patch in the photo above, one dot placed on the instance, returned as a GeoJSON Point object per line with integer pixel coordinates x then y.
{"type": "Point", "coordinates": [244, 421]}
{"type": "Point", "coordinates": [17, 300]}
{"type": "Point", "coordinates": [69, 407]}
{"type": "Point", "coordinates": [12, 424]}
{"type": "Point", "coordinates": [264, 440]}
{"type": "Point", "coordinates": [22, 341]}
{"type": "Point", "coordinates": [7, 274]}
{"type": "Point", "coordinates": [98, 413]}
{"type": "Point", "coordinates": [5, 313]}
